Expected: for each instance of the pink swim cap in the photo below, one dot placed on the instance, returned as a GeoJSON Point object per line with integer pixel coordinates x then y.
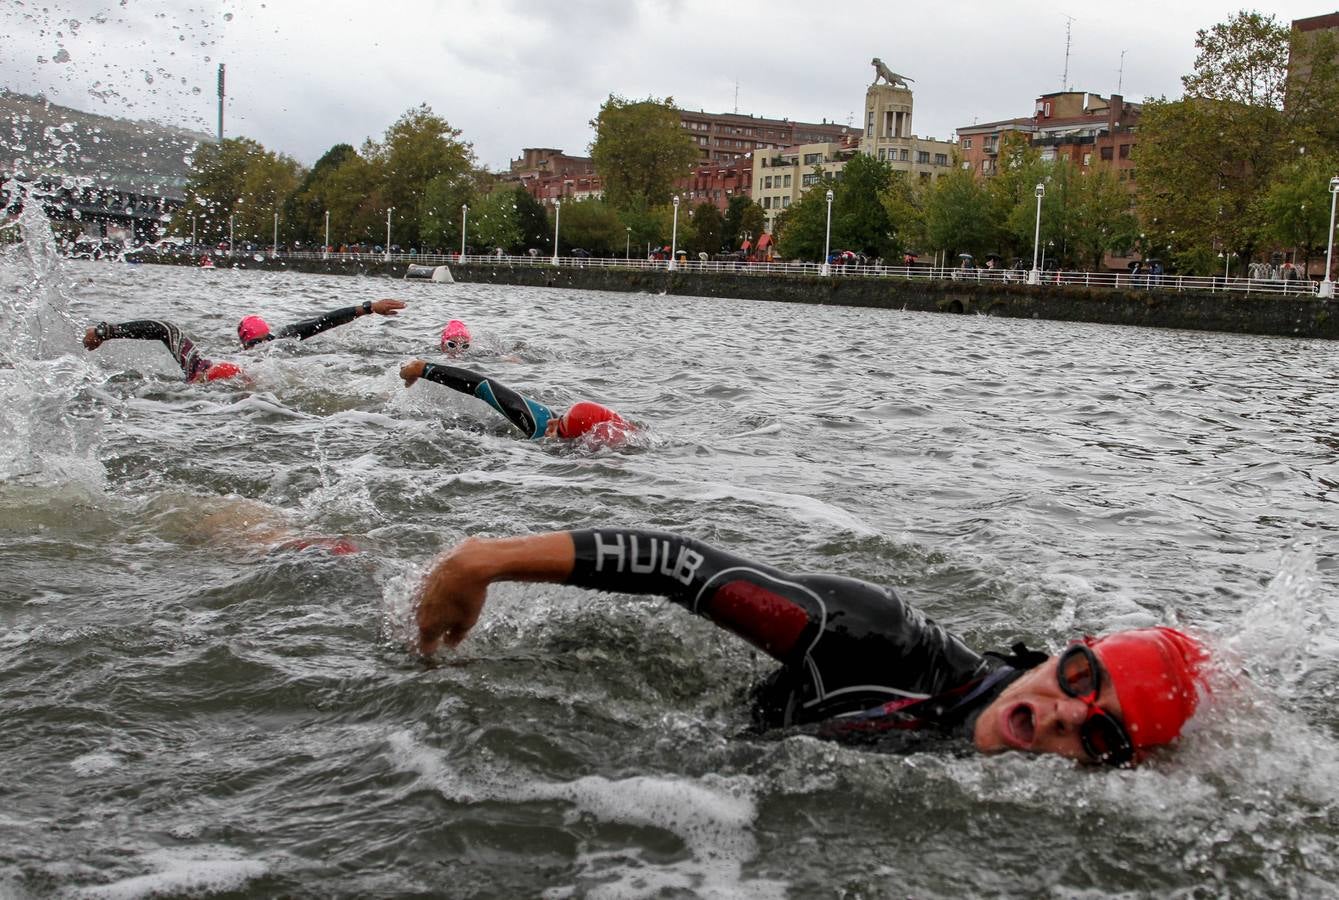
{"type": "Point", "coordinates": [455, 330]}
{"type": "Point", "coordinates": [252, 328]}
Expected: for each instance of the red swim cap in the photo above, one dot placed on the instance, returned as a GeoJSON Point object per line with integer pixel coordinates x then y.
{"type": "Point", "coordinates": [252, 328]}
{"type": "Point", "coordinates": [584, 416]}
{"type": "Point", "coordinates": [223, 370]}
{"type": "Point", "coordinates": [1157, 675]}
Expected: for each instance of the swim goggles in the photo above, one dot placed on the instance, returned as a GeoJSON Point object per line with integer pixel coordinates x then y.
{"type": "Point", "coordinates": [1104, 738]}
{"type": "Point", "coordinates": [453, 344]}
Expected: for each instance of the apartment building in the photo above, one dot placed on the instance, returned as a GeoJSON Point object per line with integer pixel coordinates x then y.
{"type": "Point", "coordinates": [1083, 127]}
{"type": "Point", "coordinates": [781, 176]}
{"type": "Point", "coordinates": [728, 137]}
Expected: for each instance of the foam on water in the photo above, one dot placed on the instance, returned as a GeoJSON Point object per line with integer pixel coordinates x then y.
{"type": "Point", "coordinates": [712, 816]}
{"type": "Point", "coordinates": [195, 871]}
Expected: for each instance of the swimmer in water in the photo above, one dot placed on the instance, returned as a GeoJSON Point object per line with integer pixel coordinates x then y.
{"type": "Point", "coordinates": [534, 419]}
{"type": "Point", "coordinates": [857, 662]}
{"type": "Point", "coordinates": [455, 338]}
{"type": "Point", "coordinates": [251, 331]}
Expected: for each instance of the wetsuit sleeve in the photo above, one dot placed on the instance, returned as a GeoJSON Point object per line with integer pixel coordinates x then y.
{"type": "Point", "coordinates": [847, 644]}
{"type": "Point", "coordinates": [528, 415]}
{"type": "Point", "coordinates": [312, 327]}
{"type": "Point", "coordinates": [763, 605]}
{"type": "Point", "coordinates": [181, 347]}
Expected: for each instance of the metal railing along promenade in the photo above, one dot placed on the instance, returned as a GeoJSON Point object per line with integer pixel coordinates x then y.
{"type": "Point", "coordinates": [1141, 281]}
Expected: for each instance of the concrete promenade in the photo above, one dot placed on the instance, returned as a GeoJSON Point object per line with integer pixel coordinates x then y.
{"type": "Point", "coordinates": [1196, 309]}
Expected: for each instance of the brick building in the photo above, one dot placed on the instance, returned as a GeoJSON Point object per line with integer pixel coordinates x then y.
{"type": "Point", "coordinates": [727, 137]}
{"type": "Point", "coordinates": [1083, 127]}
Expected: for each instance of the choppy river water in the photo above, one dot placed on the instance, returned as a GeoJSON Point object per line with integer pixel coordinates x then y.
{"type": "Point", "coordinates": [188, 711]}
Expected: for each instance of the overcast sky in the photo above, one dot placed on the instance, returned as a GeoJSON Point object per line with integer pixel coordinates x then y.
{"type": "Point", "coordinates": [509, 74]}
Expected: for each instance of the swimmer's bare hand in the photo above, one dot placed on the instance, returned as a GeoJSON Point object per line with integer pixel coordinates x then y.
{"type": "Point", "coordinates": [387, 307]}
{"type": "Point", "coordinates": [453, 593]}
{"type": "Point", "coordinates": [412, 371]}
{"type": "Point", "coordinates": [452, 596]}
{"type": "Point", "coordinates": [92, 340]}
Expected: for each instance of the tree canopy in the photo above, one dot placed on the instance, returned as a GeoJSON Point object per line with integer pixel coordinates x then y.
{"type": "Point", "coordinates": [640, 150]}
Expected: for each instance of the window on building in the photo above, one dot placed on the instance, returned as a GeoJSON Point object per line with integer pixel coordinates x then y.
{"type": "Point", "coordinates": [785, 201]}
{"type": "Point", "coordinates": [883, 154]}
{"type": "Point", "coordinates": [905, 155]}
{"type": "Point", "coordinates": [813, 159]}
{"type": "Point", "coordinates": [766, 202]}
{"type": "Point", "coordinates": [923, 157]}
{"type": "Point", "coordinates": [967, 143]}
{"type": "Point", "coordinates": [1106, 153]}
{"type": "Point", "coordinates": [786, 180]}
{"type": "Point", "coordinates": [1132, 174]}
{"type": "Point", "coordinates": [1087, 158]}
{"type": "Point", "coordinates": [925, 176]}
{"type": "Point", "coordinates": [767, 181]}
{"type": "Point", "coordinates": [809, 180]}
{"type": "Point", "coordinates": [941, 159]}
{"type": "Point", "coordinates": [1124, 151]}
{"type": "Point", "coordinates": [869, 125]}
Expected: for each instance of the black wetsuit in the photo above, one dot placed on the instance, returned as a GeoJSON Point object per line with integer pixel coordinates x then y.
{"type": "Point", "coordinates": [853, 654]}
{"type": "Point", "coordinates": [312, 327]}
{"type": "Point", "coordinates": [182, 348]}
{"type": "Point", "coordinates": [531, 416]}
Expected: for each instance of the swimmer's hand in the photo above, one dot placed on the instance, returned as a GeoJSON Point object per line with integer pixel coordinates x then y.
{"type": "Point", "coordinates": [412, 371]}
{"type": "Point", "coordinates": [454, 591]}
{"type": "Point", "coordinates": [387, 307]}
{"type": "Point", "coordinates": [92, 338]}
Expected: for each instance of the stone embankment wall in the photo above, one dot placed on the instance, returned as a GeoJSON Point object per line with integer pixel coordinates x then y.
{"type": "Point", "coordinates": [1157, 308]}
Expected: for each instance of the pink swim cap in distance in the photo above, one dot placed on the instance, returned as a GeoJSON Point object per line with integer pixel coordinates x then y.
{"type": "Point", "coordinates": [455, 330]}
{"type": "Point", "coordinates": [252, 328]}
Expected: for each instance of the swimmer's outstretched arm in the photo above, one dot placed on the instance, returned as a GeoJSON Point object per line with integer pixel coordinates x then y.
{"type": "Point", "coordinates": [312, 327]}
{"type": "Point", "coordinates": [181, 347]}
{"type": "Point", "coordinates": [530, 416]}
{"type": "Point", "coordinates": [742, 596]}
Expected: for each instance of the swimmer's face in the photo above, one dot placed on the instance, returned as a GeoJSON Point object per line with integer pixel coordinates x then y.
{"type": "Point", "coordinates": [455, 346]}
{"type": "Point", "coordinates": [1036, 716]}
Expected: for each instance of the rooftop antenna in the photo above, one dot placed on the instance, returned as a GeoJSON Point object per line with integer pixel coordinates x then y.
{"type": "Point", "coordinates": [1064, 79]}
{"type": "Point", "coordinates": [1120, 75]}
{"type": "Point", "coordinates": [736, 96]}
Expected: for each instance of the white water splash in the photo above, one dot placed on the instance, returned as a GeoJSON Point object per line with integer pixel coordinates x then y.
{"type": "Point", "coordinates": [45, 435]}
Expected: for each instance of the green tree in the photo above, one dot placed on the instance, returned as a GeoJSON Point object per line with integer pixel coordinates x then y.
{"type": "Point", "coordinates": [707, 227]}
{"type": "Point", "coordinates": [801, 230]}
{"type": "Point", "coordinates": [418, 149]}
{"type": "Point", "coordinates": [904, 205]}
{"type": "Point", "coordinates": [752, 223]}
{"type": "Point", "coordinates": [1104, 220]}
{"type": "Point", "coordinates": [1312, 93]}
{"type": "Point", "coordinates": [592, 225]}
{"type": "Point", "coordinates": [640, 151]}
{"type": "Point", "coordinates": [1012, 198]}
{"type": "Point", "coordinates": [957, 215]}
{"type": "Point", "coordinates": [731, 226]}
{"type": "Point", "coordinates": [305, 209]}
{"type": "Point", "coordinates": [440, 210]}
{"type": "Point", "coordinates": [1294, 211]}
{"type": "Point", "coordinates": [494, 222]}
{"type": "Point", "coordinates": [1243, 61]}
{"type": "Point", "coordinates": [533, 223]}
{"type": "Point", "coordinates": [236, 178]}
{"type": "Point", "coordinates": [859, 218]}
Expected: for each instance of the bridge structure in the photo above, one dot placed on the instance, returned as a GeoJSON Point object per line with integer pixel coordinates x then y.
{"type": "Point", "coordinates": [103, 209]}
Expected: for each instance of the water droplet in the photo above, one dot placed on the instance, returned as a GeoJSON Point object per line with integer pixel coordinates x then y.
{"type": "Point", "coordinates": [62, 56]}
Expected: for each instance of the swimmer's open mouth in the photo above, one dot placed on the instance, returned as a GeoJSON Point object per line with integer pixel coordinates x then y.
{"type": "Point", "coordinates": [1022, 725]}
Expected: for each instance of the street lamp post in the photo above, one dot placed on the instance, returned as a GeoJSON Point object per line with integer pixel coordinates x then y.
{"type": "Point", "coordinates": [557, 218]}
{"type": "Point", "coordinates": [274, 246]}
{"type": "Point", "coordinates": [325, 248]}
{"type": "Point", "coordinates": [192, 234]}
{"type": "Point", "coordinates": [674, 236]}
{"type": "Point", "coordinates": [1326, 289]}
{"type": "Point", "coordinates": [827, 239]}
{"type": "Point", "coordinates": [388, 233]}
{"type": "Point", "coordinates": [1034, 277]}
{"type": "Point", "coordinates": [464, 214]}
{"type": "Point", "coordinates": [231, 243]}
{"type": "Point", "coordinates": [627, 246]}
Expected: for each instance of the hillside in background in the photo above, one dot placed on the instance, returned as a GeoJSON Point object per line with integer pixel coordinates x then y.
{"type": "Point", "coordinates": [136, 156]}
